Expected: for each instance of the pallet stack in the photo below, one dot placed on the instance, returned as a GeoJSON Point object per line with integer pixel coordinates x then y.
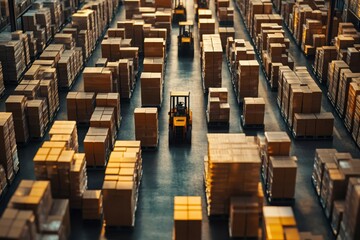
{"type": "Point", "coordinates": [104, 117]}
{"type": "Point", "coordinates": [37, 113]}
{"type": "Point", "coordinates": [97, 144]}
{"type": "Point", "coordinates": [225, 16]}
{"type": "Point", "coordinates": [187, 218]}
{"type": "Point", "coordinates": [222, 181]}
{"type": "Point", "coordinates": [17, 224]}
{"type": "Point", "coordinates": [236, 50]}
{"type": "Point", "coordinates": [151, 89]}
{"type": "Point", "coordinates": [279, 223]}
{"type": "Point", "coordinates": [17, 106]}
{"type": "Point", "coordinates": [28, 88]}
{"type": "Point", "coordinates": [211, 58]}
{"type": "Point", "coordinates": [313, 36]}
{"type": "Point", "coordinates": [121, 184]}
{"type": "Point", "coordinates": [225, 33]}
{"type": "Point", "coordinates": [154, 47]}
{"type": "Point", "coordinates": [8, 148]}
{"type": "Point", "coordinates": [98, 80]}
{"type": "Point", "coordinates": [318, 125]}
{"type": "Point", "coordinates": [65, 131]}
{"type": "Point", "coordinates": [218, 108]}
{"type": "Point", "coordinates": [126, 77]}
{"type": "Point", "coordinates": [42, 208]}
{"type": "Point", "coordinates": [146, 126]}
{"type": "Point", "coordinates": [254, 8]}
{"type": "Point", "coordinates": [66, 39]}
{"type": "Point", "coordinates": [110, 100]}
{"type": "Point", "coordinates": [324, 55]}
{"type": "Point", "coordinates": [65, 169]}
{"type": "Point", "coordinates": [248, 79]}
{"type": "Point", "coordinates": [80, 106]}
{"type": "Point", "coordinates": [253, 112]}
{"type": "Point", "coordinates": [131, 8]}
{"type": "Point", "coordinates": [69, 66]}
{"type": "Point", "coordinates": [92, 205]}
{"type": "Point", "coordinates": [334, 76]}
{"type": "Point", "coordinates": [354, 91]}
{"type": "Point", "coordinates": [206, 26]}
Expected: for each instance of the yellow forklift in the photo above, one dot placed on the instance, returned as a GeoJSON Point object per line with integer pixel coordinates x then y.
{"type": "Point", "coordinates": [186, 39]}
{"type": "Point", "coordinates": [179, 11]}
{"type": "Point", "coordinates": [200, 4]}
{"type": "Point", "coordinates": [180, 117]}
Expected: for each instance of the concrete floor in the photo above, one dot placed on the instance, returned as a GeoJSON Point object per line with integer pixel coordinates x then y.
{"type": "Point", "coordinates": [179, 170]}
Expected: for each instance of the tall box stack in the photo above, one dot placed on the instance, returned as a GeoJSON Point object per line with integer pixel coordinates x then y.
{"type": "Point", "coordinates": [334, 76]}
{"type": "Point", "coordinates": [253, 111]}
{"type": "Point", "coordinates": [226, 177]}
{"type": "Point", "coordinates": [29, 88]}
{"type": "Point", "coordinates": [244, 217]}
{"type": "Point", "coordinates": [154, 47]}
{"type": "Point", "coordinates": [224, 33]}
{"type": "Point", "coordinates": [97, 146]}
{"type": "Point", "coordinates": [69, 66]}
{"type": "Point", "coordinates": [8, 149]}
{"type": "Point", "coordinates": [51, 95]}
{"type": "Point", "coordinates": [65, 169]}
{"type": "Point", "coordinates": [17, 224]}
{"type": "Point", "coordinates": [206, 26]}
{"type": "Point", "coordinates": [66, 39]}
{"type": "Point", "coordinates": [277, 144]}
{"type": "Point", "coordinates": [115, 70]}
{"type": "Point", "coordinates": [211, 56]}
{"type": "Point", "coordinates": [324, 55]}
{"type": "Point", "coordinates": [98, 80]}
{"type": "Point", "coordinates": [126, 85]}
{"type": "Point", "coordinates": [110, 100]}
{"type": "Point", "coordinates": [354, 91]}
{"type": "Point", "coordinates": [218, 108]}
{"type": "Point", "coordinates": [146, 126]}
{"type": "Point", "coordinates": [281, 177]}
{"type": "Point", "coordinates": [248, 79]}
{"type": "Point", "coordinates": [187, 218]}
{"type": "Point", "coordinates": [65, 131]}
{"type": "Point", "coordinates": [322, 157]}
{"type": "Point", "coordinates": [35, 196]}
{"type": "Point", "coordinates": [279, 223]}
{"type": "Point", "coordinates": [85, 22]}
{"type": "Point", "coordinates": [37, 113]}
{"type": "Point", "coordinates": [151, 89]}
{"type": "Point", "coordinates": [92, 205]}
{"type": "Point", "coordinates": [346, 77]}
{"type": "Point", "coordinates": [17, 106]}
{"type": "Point", "coordinates": [80, 106]}
{"type": "Point", "coordinates": [121, 184]}
{"type": "Point", "coordinates": [104, 117]}
{"type": "Point", "coordinates": [131, 8]}
{"type": "Point", "coordinates": [349, 227]}
{"type": "Point", "coordinates": [313, 36]}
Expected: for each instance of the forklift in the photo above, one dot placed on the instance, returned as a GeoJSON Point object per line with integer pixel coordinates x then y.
{"type": "Point", "coordinates": [180, 117]}
{"type": "Point", "coordinates": [179, 12]}
{"type": "Point", "coordinates": [200, 4]}
{"type": "Point", "coordinates": [186, 39]}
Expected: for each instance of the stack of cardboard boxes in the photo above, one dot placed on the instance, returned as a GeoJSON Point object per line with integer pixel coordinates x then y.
{"type": "Point", "coordinates": [65, 169]}
{"type": "Point", "coordinates": [80, 106]}
{"type": "Point", "coordinates": [218, 109]}
{"type": "Point", "coordinates": [33, 200]}
{"type": "Point", "coordinates": [18, 224]}
{"type": "Point", "coordinates": [8, 148]}
{"type": "Point", "coordinates": [187, 218]}
{"type": "Point", "coordinates": [121, 184]}
{"type": "Point", "coordinates": [225, 15]}
{"type": "Point", "coordinates": [206, 26]}
{"type": "Point", "coordinates": [65, 131]}
{"type": "Point", "coordinates": [253, 111]}
{"type": "Point", "coordinates": [98, 80]}
{"type": "Point", "coordinates": [248, 79]}
{"type": "Point", "coordinates": [66, 39]}
{"type": "Point", "coordinates": [211, 58]}
{"type": "Point", "coordinates": [110, 100]}
{"type": "Point", "coordinates": [225, 33]}
{"type": "Point", "coordinates": [97, 144]}
{"type": "Point", "coordinates": [224, 176]}
{"type": "Point", "coordinates": [37, 113]}
{"type": "Point", "coordinates": [92, 205]}
{"type": "Point", "coordinates": [313, 125]}
{"type": "Point", "coordinates": [146, 126]}
{"type": "Point", "coordinates": [29, 88]}
{"type": "Point", "coordinates": [104, 117]}
{"type": "Point", "coordinates": [17, 106]}
{"type": "Point", "coordinates": [151, 89]}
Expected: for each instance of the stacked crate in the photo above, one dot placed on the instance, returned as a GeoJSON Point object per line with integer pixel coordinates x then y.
{"type": "Point", "coordinates": [80, 106]}
{"type": "Point", "coordinates": [354, 91]}
{"type": "Point", "coordinates": [260, 19]}
{"type": "Point", "coordinates": [225, 33]}
{"type": "Point", "coordinates": [8, 148]}
{"type": "Point", "coordinates": [225, 15]}
{"type": "Point", "coordinates": [65, 169]}
{"type": "Point", "coordinates": [146, 126]}
{"type": "Point", "coordinates": [35, 196]}
{"type": "Point", "coordinates": [187, 218]}
{"type": "Point", "coordinates": [254, 8]}
{"type": "Point", "coordinates": [248, 79]}
{"type": "Point", "coordinates": [324, 55]}
{"type": "Point", "coordinates": [313, 125]}
{"type": "Point", "coordinates": [218, 108]}
{"type": "Point", "coordinates": [84, 20]}
{"type": "Point", "coordinates": [253, 111]}
{"type": "Point", "coordinates": [121, 184]}
{"type": "Point", "coordinates": [28, 88]}
{"type": "Point", "coordinates": [37, 113]}
{"type": "Point", "coordinates": [131, 8]}
{"type": "Point", "coordinates": [206, 26]}
{"type": "Point", "coordinates": [39, 31]}
{"type": "Point", "coordinates": [104, 117]}
{"type": "Point", "coordinates": [334, 76]}
{"type": "Point", "coordinates": [313, 36]}
{"type": "Point", "coordinates": [225, 177]}
{"type": "Point", "coordinates": [65, 131]}
{"type": "Point", "coordinates": [66, 39]}
{"type": "Point", "coordinates": [154, 47]}
{"type": "Point", "coordinates": [211, 58]}
{"type": "Point", "coordinates": [69, 67]}
{"type": "Point", "coordinates": [279, 223]}
{"type": "Point", "coordinates": [17, 106]}
{"type": "Point", "coordinates": [110, 100]}
{"type": "Point", "coordinates": [92, 205]}
{"type": "Point", "coordinates": [151, 89]}
{"type": "Point", "coordinates": [98, 80]}
{"type": "Point", "coordinates": [97, 144]}
{"type": "Point", "coordinates": [127, 82]}
{"type": "Point", "coordinates": [18, 224]}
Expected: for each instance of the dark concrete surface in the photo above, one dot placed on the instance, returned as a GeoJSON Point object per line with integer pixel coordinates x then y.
{"type": "Point", "coordinates": [171, 171]}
